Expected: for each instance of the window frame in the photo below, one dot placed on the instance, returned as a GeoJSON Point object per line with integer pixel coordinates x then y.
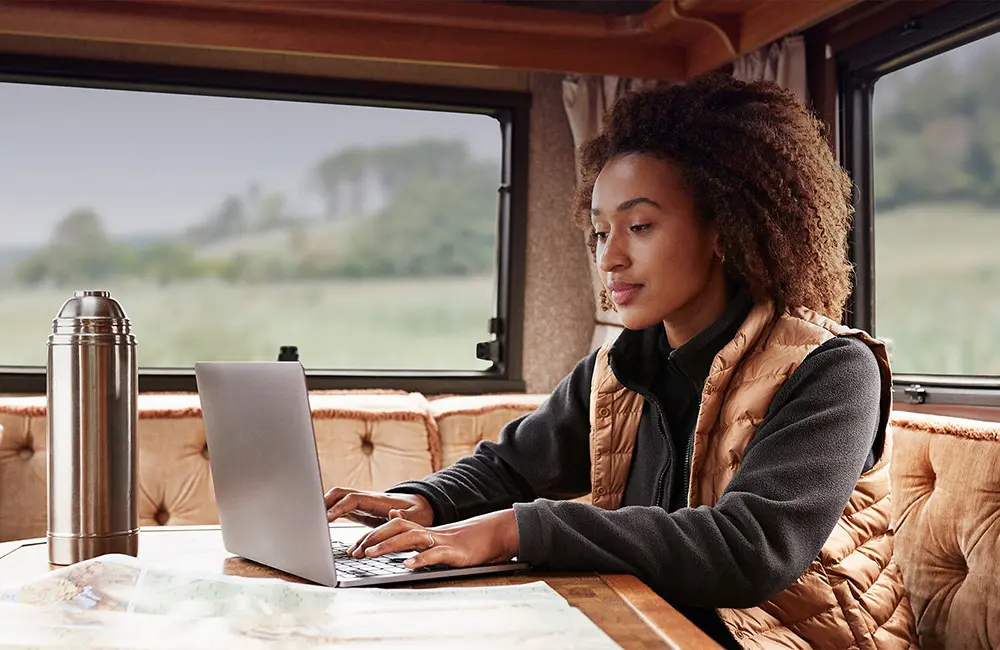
{"type": "Point", "coordinates": [858, 69]}
{"type": "Point", "coordinates": [510, 108]}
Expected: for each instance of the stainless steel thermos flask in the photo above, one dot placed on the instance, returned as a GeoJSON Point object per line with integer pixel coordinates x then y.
{"type": "Point", "coordinates": [92, 394]}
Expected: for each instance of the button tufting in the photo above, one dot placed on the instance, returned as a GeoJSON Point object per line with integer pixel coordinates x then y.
{"type": "Point", "coordinates": [162, 516]}
{"type": "Point", "coordinates": [26, 452]}
{"type": "Point", "coordinates": [603, 411]}
{"type": "Point", "coordinates": [367, 447]}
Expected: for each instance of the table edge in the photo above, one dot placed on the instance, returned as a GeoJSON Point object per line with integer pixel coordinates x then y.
{"type": "Point", "coordinates": [670, 625]}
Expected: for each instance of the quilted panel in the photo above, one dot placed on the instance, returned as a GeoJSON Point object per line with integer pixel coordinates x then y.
{"type": "Point", "coordinates": [22, 471]}
{"type": "Point", "coordinates": [372, 442]}
{"type": "Point", "coordinates": [946, 501]}
{"type": "Point", "coordinates": [368, 440]}
{"type": "Point", "coordinates": [464, 421]}
{"type": "Point", "coordinates": [175, 479]}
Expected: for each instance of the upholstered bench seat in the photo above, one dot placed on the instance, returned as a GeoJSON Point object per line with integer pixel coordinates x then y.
{"type": "Point", "coordinates": [946, 503]}
{"type": "Point", "coordinates": [365, 439]}
{"type": "Point", "coordinates": [466, 420]}
{"type": "Point", "coordinates": [945, 482]}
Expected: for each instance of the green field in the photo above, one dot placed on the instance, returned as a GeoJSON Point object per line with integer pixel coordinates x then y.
{"type": "Point", "coordinates": [429, 324]}
{"type": "Point", "coordinates": [937, 296]}
{"type": "Point", "coordinates": [937, 271]}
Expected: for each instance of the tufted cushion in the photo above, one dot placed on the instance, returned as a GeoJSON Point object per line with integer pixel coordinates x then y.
{"type": "Point", "coordinates": [463, 421]}
{"type": "Point", "coordinates": [371, 441]}
{"type": "Point", "coordinates": [22, 469]}
{"type": "Point", "coordinates": [946, 503]}
{"type": "Point", "coordinates": [175, 480]}
{"type": "Point", "coordinates": [366, 440]}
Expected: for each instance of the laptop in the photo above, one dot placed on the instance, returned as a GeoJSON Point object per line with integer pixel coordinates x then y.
{"type": "Point", "coordinates": [268, 487]}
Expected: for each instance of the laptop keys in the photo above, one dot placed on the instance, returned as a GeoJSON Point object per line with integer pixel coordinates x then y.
{"type": "Point", "coordinates": [367, 567]}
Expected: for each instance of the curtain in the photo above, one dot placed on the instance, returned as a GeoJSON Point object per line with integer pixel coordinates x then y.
{"type": "Point", "coordinates": [783, 62]}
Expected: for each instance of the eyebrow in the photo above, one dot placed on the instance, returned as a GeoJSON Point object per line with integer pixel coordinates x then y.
{"type": "Point", "coordinates": [628, 205]}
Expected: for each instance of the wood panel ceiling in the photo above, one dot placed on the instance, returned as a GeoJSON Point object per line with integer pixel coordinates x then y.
{"type": "Point", "coordinates": [667, 39]}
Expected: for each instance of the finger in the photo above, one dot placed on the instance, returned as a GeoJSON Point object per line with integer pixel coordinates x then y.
{"type": "Point", "coordinates": [380, 534]}
{"type": "Point", "coordinates": [416, 539]}
{"type": "Point", "coordinates": [402, 513]}
{"type": "Point", "coordinates": [365, 520]}
{"type": "Point", "coordinates": [338, 498]}
{"type": "Point", "coordinates": [438, 554]}
{"type": "Point", "coordinates": [364, 503]}
{"type": "Point", "coordinates": [334, 495]}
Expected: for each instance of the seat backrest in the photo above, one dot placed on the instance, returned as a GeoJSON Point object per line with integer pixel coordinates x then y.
{"type": "Point", "coordinates": [946, 506]}
{"type": "Point", "coordinates": [365, 439]}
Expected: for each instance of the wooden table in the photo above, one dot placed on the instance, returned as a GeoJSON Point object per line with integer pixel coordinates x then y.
{"type": "Point", "coordinates": [627, 610]}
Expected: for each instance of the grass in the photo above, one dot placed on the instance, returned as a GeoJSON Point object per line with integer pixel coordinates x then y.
{"type": "Point", "coordinates": [429, 324]}
{"type": "Point", "coordinates": [937, 270]}
{"type": "Point", "coordinates": [937, 295]}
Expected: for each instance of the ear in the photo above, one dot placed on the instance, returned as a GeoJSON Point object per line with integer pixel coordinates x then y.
{"type": "Point", "coordinates": [716, 247]}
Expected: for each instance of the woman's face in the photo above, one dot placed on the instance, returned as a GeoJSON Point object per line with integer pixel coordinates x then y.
{"type": "Point", "coordinates": [656, 257]}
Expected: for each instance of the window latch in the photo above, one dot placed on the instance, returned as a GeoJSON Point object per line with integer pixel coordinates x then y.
{"type": "Point", "coordinates": [915, 394]}
{"type": "Point", "coordinates": [490, 350]}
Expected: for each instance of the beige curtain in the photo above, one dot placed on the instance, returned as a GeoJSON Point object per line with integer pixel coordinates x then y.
{"type": "Point", "coordinates": [783, 62]}
{"type": "Point", "coordinates": [587, 98]}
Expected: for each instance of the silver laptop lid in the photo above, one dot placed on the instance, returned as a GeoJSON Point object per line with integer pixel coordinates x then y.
{"type": "Point", "coordinates": [265, 467]}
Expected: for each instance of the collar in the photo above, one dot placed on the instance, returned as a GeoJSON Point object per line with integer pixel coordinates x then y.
{"type": "Point", "coordinates": [637, 356]}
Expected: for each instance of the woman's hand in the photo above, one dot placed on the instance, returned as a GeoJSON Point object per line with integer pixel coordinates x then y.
{"type": "Point", "coordinates": [376, 508]}
{"type": "Point", "coordinates": [486, 539]}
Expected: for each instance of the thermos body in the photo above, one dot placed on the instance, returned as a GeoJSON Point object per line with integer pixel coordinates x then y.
{"type": "Point", "coordinates": [92, 391]}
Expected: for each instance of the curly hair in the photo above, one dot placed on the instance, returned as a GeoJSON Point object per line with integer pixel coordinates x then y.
{"type": "Point", "coordinates": [759, 169]}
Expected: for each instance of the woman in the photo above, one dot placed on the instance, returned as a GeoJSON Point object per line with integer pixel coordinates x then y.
{"type": "Point", "coordinates": [733, 436]}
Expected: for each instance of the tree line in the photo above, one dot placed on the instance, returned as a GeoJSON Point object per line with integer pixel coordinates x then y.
{"type": "Point", "coordinates": [940, 139]}
{"type": "Point", "coordinates": [437, 216]}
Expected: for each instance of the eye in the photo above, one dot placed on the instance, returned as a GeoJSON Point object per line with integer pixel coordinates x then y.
{"type": "Point", "coordinates": [640, 227]}
{"type": "Point", "coordinates": [599, 236]}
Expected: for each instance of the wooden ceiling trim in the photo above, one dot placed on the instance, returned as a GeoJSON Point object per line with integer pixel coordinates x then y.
{"type": "Point", "coordinates": [460, 15]}
{"type": "Point", "coordinates": [196, 24]}
{"type": "Point", "coordinates": [725, 26]}
{"type": "Point", "coordinates": [763, 24]}
{"type": "Point", "coordinates": [675, 39]}
{"type": "Point", "coordinates": [717, 6]}
{"type": "Point", "coordinates": [432, 13]}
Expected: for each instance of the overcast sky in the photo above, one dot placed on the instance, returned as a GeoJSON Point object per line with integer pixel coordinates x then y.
{"type": "Point", "coordinates": [970, 58]}
{"type": "Point", "coordinates": [152, 162]}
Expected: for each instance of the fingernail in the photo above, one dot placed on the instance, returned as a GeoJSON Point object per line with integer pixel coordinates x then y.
{"type": "Point", "coordinates": [371, 550]}
{"type": "Point", "coordinates": [409, 562]}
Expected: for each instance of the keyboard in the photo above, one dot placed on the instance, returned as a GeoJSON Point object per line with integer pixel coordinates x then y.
{"type": "Point", "coordinates": [366, 567]}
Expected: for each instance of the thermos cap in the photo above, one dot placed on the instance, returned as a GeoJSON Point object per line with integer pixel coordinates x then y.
{"type": "Point", "coordinates": [92, 304]}
{"type": "Point", "coordinates": [91, 312]}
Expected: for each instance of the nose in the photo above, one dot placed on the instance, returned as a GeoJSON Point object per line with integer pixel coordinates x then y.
{"type": "Point", "coordinates": [612, 253]}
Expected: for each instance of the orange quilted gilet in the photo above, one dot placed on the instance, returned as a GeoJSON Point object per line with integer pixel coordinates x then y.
{"type": "Point", "coordinates": [852, 595]}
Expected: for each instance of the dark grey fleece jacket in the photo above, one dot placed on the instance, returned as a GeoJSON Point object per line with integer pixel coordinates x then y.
{"type": "Point", "coordinates": [795, 478]}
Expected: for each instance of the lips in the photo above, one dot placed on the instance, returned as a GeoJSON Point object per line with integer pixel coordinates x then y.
{"type": "Point", "coordinates": [623, 292]}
